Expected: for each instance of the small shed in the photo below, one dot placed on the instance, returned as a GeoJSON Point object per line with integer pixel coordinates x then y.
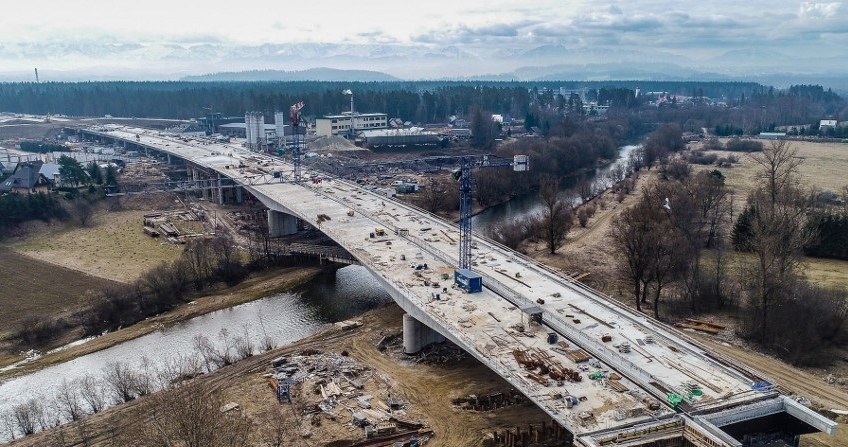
{"type": "Point", "coordinates": [533, 312]}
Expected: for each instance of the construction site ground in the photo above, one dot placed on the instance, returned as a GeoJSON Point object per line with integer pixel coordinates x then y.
{"type": "Point", "coordinates": [427, 389]}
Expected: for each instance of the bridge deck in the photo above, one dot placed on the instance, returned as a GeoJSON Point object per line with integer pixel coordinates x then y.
{"type": "Point", "coordinates": [660, 360]}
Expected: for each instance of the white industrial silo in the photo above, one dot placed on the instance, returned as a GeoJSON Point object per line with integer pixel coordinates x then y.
{"type": "Point", "coordinates": [280, 128]}
{"type": "Point", "coordinates": [254, 130]}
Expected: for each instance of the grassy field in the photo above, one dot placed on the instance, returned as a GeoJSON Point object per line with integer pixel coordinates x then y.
{"type": "Point", "coordinates": [829, 273]}
{"type": "Point", "coordinates": [824, 167]}
{"type": "Point", "coordinates": [32, 288]}
{"type": "Point", "coordinates": [113, 247]}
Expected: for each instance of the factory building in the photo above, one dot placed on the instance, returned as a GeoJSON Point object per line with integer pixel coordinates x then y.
{"type": "Point", "coordinates": [341, 124]}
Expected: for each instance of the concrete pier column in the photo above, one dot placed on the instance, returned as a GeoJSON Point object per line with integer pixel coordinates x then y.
{"type": "Point", "coordinates": [417, 335]}
{"type": "Point", "coordinates": [220, 191]}
{"type": "Point", "coordinates": [239, 195]}
{"type": "Point", "coordinates": [281, 224]}
{"type": "Point", "coordinates": [169, 158]}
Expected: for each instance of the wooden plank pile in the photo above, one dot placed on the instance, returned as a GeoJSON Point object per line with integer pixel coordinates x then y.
{"type": "Point", "coordinates": [533, 359]}
{"type": "Point", "coordinates": [701, 326]}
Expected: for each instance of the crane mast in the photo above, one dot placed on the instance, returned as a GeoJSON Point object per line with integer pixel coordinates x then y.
{"type": "Point", "coordinates": [297, 140]}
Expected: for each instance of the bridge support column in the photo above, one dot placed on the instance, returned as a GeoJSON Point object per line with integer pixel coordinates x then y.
{"type": "Point", "coordinates": [417, 335]}
{"type": "Point", "coordinates": [239, 195]}
{"type": "Point", "coordinates": [281, 224]}
{"type": "Point", "coordinates": [220, 191]}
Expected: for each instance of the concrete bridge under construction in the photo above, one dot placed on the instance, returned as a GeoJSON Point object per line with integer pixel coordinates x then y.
{"type": "Point", "coordinates": [607, 374]}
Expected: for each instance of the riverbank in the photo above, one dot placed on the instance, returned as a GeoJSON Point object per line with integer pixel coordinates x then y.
{"type": "Point", "coordinates": [259, 285]}
{"type": "Point", "coordinates": [428, 388]}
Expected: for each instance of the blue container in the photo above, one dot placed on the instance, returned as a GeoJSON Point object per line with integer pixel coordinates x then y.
{"type": "Point", "coordinates": [468, 280]}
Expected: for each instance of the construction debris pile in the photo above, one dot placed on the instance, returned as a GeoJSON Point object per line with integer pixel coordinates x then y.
{"type": "Point", "coordinates": [490, 401]}
{"type": "Point", "coordinates": [164, 223]}
{"type": "Point", "coordinates": [355, 400]}
{"type": "Point", "coordinates": [332, 143]}
{"type": "Point", "coordinates": [434, 354]}
{"type": "Point", "coordinates": [531, 359]}
{"type": "Point", "coordinates": [544, 435]}
{"type": "Point", "coordinates": [245, 221]}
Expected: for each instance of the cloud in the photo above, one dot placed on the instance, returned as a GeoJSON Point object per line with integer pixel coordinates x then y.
{"type": "Point", "coordinates": [483, 28]}
{"type": "Point", "coordinates": [486, 33]}
{"type": "Point", "coordinates": [810, 10]}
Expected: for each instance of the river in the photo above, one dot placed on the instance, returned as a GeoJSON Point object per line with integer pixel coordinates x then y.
{"type": "Point", "coordinates": [282, 318]}
{"type": "Point", "coordinates": [530, 204]}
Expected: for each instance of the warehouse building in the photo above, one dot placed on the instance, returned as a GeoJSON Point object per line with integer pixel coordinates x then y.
{"type": "Point", "coordinates": [341, 124]}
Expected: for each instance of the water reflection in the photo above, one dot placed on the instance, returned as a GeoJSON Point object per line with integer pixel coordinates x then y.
{"type": "Point", "coordinates": [281, 319]}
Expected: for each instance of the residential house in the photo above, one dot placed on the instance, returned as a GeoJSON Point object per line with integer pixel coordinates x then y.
{"type": "Point", "coordinates": [27, 179]}
{"type": "Point", "coordinates": [8, 167]}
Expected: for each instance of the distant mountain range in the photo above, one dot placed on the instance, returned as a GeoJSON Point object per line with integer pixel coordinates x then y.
{"type": "Point", "coordinates": [311, 74]}
{"type": "Point", "coordinates": [392, 62]}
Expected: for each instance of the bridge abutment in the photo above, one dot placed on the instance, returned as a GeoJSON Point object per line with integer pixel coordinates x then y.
{"type": "Point", "coordinates": [281, 224]}
{"type": "Point", "coordinates": [416, 335]}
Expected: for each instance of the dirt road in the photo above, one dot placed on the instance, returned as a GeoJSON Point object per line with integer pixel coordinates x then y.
{"type": "Point", "coordinates": [792, 379]}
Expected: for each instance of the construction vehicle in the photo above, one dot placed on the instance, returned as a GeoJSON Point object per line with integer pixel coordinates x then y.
{"type": "Point", "coordinates": [379, 232]}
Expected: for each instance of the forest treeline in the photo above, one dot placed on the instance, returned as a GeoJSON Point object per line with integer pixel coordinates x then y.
{"type": "Point", "coordinates": [425, 101]}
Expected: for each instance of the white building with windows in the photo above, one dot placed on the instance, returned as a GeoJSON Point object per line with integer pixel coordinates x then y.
{"type": "Point", "coordinates": [341, 124]}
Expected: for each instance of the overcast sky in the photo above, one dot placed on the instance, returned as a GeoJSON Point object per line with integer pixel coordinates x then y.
{"type": "Point", "coordinates": [65, 34]}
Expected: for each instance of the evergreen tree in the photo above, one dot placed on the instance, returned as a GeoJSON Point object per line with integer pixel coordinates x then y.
{"type": "Point", "coordinates": [71, 171]}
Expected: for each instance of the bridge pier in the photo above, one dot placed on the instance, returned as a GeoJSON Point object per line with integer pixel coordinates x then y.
{"type": "Point", "coordinates": [281, 224]}
{"type": "Point", "coordinates": [220, 191]}
{"type": "Point", "coordinates": [416, 335]}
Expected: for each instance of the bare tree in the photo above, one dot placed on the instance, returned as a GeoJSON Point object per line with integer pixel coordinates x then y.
{"type": "Point", "coordinates": [667, 257]}
{"type": "Point", "coordinates": [83, 210]}
{"type": "Point", "coordinates": [275, 428]}
{"type": "Point", "coordinates": [27, 416]}
{"type": "Point", "coordinates": [243, 346]}
{"type": "Point", "coordinates": [779, 164]}
{"type": "Point", "coordinates": [189, 416]}
{"type": "Point", "coordinates": [513, 233]}
{"type": "Point", "coordinates": [177, 369]}
{"type": "Point", "coordinates": [91, 392]}
{"type": "Point", "coordinates": [226, 352]}
{"type": "Point", "coordinates": [198, 261]}
{"type": "Point", "coordinates": [435, 196]}
{"type": "Point", "coordinates": [778, 236]}
{"type": "Point", "coordinates": [557, 216]}
{"type": "Point", "coordinates": [8, 422]}
{"type": "Point", "coordinates": [585, 190]}
{"type": "Point", "coordinates": [207, 352]}
{"type": "Point", "coordinates": [778, 227]}
{"type": "Point", "coordinates": [144, 379]}
{"type": "Point", "coordinates": [631, 236]}
{"type": "Point", "coordinates": [122, 380]}
{"type": "Point", "coordinates": [67, 400]}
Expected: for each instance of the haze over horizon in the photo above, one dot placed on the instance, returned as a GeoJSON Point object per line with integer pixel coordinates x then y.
{"type": "Point", "coordinates": [99, 39]}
